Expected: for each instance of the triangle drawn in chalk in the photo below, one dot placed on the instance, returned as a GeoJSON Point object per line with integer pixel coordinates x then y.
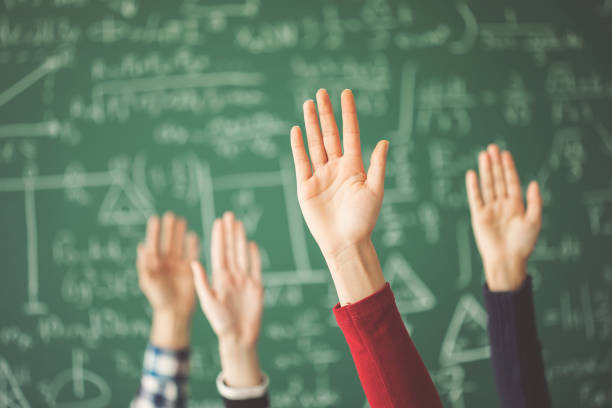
{"type": "Point", "coordinates": [124, 205]}
{"type": "Point", "coordinates": [466, 337]}
{"type": "Point", "coordinates": [411, 294]}
{"type": "Point", "coordinates": [11, 395]}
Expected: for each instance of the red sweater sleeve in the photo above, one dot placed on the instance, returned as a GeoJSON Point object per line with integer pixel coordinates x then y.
{"type": "Point", "coordinates": [391, 371]}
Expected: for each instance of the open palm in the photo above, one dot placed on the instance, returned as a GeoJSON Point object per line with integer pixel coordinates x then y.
{"type": "Point", "coordinates": [339, 201]}
{"type": "Point", "coordinates": [164, 265]}
{"type": "Point", "coordinates": [506, 232]}
{"type": "Point", "coordinates": [233, 304]}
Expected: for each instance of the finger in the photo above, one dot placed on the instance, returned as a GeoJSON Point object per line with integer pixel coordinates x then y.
{"type": "Point", "coordinates": [378, 162]}
{"type": "Point", "coordinates": [300, 158]}
{"type": "Point", "coordinates": [192, 247]}
{"type": "Point", "coordinates": [313, 134]}
{"type": "Point", "coordinates": [178, 243]}
{"type": "Point", "coordinates": [331, 138]}
{"type": "Point", "coordinates": [146, 262]}
{"type": "Point", "coordinates": [230, 241]}
{"type": "Point", "coordinates": [498, 172]}
{"type": "Point", "coordinates": [473, 192]}
{"type": "Point", "coordinates": [203, 289]}
{"type": "Point", "coordinates": [242, 254]}
{"type": "Point", "coordinates": [152, 240]}
{"type": "Point", "coordinates": [140, 258]}
{"type": "Point", "coordinates": [217, 253]}
{"type": "Point", "coordinates": [513, 184]}
{"type": "Point", "coordinates": [167, 234]}
{"type": "Point", "coordinates": [350, 124]}
{"type": "Point", "coordinates": [534, 204]}
{"type": "Point", "coordinates": [255, 264]}
{"type": "Point", "coordinates": [486, 177]}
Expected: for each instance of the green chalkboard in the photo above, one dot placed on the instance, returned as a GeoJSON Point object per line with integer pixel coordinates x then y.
{"type": "Point", "coordinates": [112, 110]}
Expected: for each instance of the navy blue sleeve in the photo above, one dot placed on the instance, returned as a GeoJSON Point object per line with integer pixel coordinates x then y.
{"type": "Point", "coordinates": [261, 402]}
{"type": "Point", "coordinates": [516, 353]}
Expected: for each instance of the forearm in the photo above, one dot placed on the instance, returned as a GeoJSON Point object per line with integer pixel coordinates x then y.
{"type": "Point", "coordinates": [239, 363]}
{"type": "Point", "coordinates": [170, 330]}
{"type": "Point", "coordinates": [391, 371]}
{"type": "Point", "coordinates": [356, 271]}
{"type": "Point", "coordinates": [165, 376]}
{"type": "Point", "coordinates": [515, 350]}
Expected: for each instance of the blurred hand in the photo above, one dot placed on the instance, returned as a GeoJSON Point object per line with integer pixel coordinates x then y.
{"type": "Point", "coordinates": [339, 201]}
{"type": "Point", "coordinates": [233, 303]}
{"type": "Point", "coordinates": [165, 278]}
{"type": "Point", "coordinates": [505, 231]}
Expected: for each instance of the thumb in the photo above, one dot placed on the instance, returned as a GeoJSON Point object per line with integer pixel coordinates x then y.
{"type": "Point", "coordinates": [534, 204]}
{"type": "Point", "coordinates": [376, 171]}
{"type": "Point", "coordinates": [200, 279]}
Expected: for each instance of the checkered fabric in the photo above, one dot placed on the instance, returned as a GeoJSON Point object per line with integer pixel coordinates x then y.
{"type": "Point", "coordinates": [164, 380]}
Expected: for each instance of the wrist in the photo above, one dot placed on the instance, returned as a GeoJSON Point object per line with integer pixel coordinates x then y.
{"type": "Point", "coordinates": [356, 271]}
{"type": "Point", "coordinates": [170, 329]}
{"type": "Point", "coordinates": [239, 363]}
{"type": "Point", "coordinates": [505, 275]}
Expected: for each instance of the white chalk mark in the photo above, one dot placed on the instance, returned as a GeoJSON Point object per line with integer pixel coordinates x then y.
{"type": "Point", "coordinates": [11, 395]}
{"type": "Point", "coordinates": [296, 278]}
{"type": "Point", "coordinates": [33, 306]}
{"type": "Point", "coordinates": [83, 382]}
{"type": "Point", "coordinates": [411, 293]}
{"type": "Point", "coordinates": [296, 225]}
{"type": "Point", "coordinates": [29, 185]}
{"type": "Point", "coordinates": [212, 80]}
{"type": "Point", "coordinates": [77, 373]}
{"type": "Point", "coordinates": [606, 137]}
{"type": "Point", "coordinates": [124, 205]}
{"type": "Point", "coordinates": [406, 102]}
{"type": "Point", "coordinates": [53, 182]}
{"type": "Point", "coordinates": [468, 320]}
{"type": "Point", "coordinates": [51, 64]}
{"type": "Point", "coordinates": [587, 309]}
{"type": "Point", "coordinates": [566, 310]}
{"type": "Point", "coordinates": [29, 130]}
{"type": "Point", "coordinates": [188, 81]}
{"type": "Point", "coordinates": [251, 180]}
{"type": "Point", "coordinates": [470, 34]}
{"type": "Point", "coordinates": [207, 204]}
{"type": "Point", "coordinates": [464, 253]}
{"type": "Point", "coordinates": [517, 30]}
{"type": "Point", "coordinates": [398, 196]}
{"type": "Point", "coordinates": [597, 196]}
{"type": "Point", "coordinates": [250, 8]}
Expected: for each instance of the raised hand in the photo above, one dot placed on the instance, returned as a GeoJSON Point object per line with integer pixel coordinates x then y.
{"type": "Point", "coordinates": [233, 303]}
{"type": "Point", "coordinates": [505, 231]}
{"type": "Point", "coordinates": [164, 276]}
{"type": "Point", "coordinates": [339, 201]}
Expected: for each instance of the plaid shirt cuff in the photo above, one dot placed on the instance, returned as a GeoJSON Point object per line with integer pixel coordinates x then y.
{"type": "Point", "coordinates": [164, 379]}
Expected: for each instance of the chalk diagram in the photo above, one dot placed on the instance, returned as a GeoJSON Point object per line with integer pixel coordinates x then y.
{"type": "Point", "coordinates": [466, 337]}
{"type": "Point", "coordinates": [123, 204]}
{"type": "Point", "coordinates": [78, 387]}
{"type": "Point", "coordinates": [11, 395]}
{"type": "Point", "coordinates": [412, 295]}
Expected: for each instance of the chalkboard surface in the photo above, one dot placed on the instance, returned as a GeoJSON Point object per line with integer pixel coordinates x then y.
{"type": "Point", "coordinates": [112, 110]}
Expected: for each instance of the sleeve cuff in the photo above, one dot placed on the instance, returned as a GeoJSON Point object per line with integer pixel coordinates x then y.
{"type": "Point", "coordinates": [371, 305]}
{"type": "Point", "coordinates": [166, 363]}
{"type": "Point", "coordinates": [230, 393]}
{"type": "Point", "coordinates": [507, 303]}
{"type": "Point", "coordinates": [511, 316]}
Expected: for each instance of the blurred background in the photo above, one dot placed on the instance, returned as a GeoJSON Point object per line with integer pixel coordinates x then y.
{"type": "Point", "coordinates": [112, 110]}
